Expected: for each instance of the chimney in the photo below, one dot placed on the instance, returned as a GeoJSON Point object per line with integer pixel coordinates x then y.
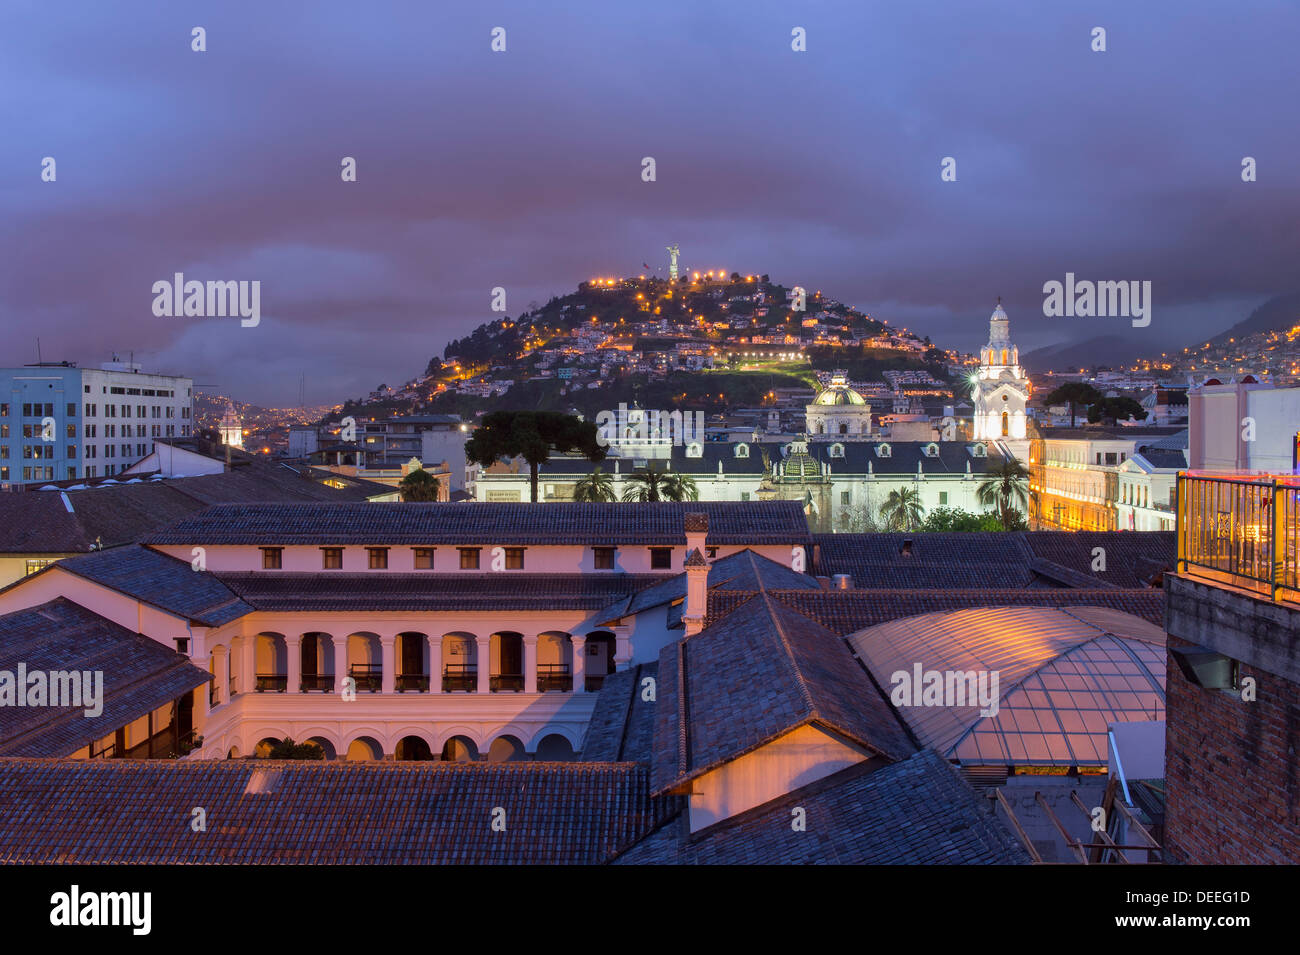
{"type": "Point", "coordinates": [697, 532]}
{"type": "Point", "coordinates": [843, 582]}
{"type": "Point", "coordinates": [696, 566]}
{"type": "Point", "coordinates": [906, 549]}
{"type": "Point", "coordinates": [697, 592]}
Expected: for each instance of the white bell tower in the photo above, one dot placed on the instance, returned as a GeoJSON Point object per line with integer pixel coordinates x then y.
{"type": "Point", "coordinates": [1001, 387]}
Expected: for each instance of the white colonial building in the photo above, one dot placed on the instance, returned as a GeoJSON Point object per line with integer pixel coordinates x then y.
{"type": "Point", "coordinates": [1001, 386]}
{"type": "Point", "coordinates": [415, 630]}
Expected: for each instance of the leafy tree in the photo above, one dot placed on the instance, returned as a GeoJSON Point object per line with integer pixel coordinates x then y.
{"type": "Point", "coordinates": [288, 749]}
{"type": "Point", "coordinates": [532, 435]}
{"type": "Point", "coordinates": [1111, 410]}
{"type": "Point", "coordinates": [1073, 393]}
{"type": "Point", "coordinates": [596, 486]}
{"type": "Point", "coordinates": [419, 485]}
{"type": "Point", "coordinates": [902, 509]}
{"type": "Point", "coordinates": [1007, 488]}
{"type": "Point", "coordinates": [954, 519]}
{"type": "Point", "coordinates": [653, 483]}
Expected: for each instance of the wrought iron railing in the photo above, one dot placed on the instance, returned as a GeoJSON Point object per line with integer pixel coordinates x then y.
{"type": "Point", "coordinates": [554, 676]}
{"type": "Point", "coordinates": [459, 676]}
{"type": "Point", "coordinates": [1242, 531]}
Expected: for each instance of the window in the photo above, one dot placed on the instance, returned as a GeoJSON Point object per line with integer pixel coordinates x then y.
{"type": "Point", "coordinates": [604, 558]}
{"type": "Point", "coordinates": [844, 498]}
{"type": "Point", "coordinates": [378, 557]}
{"type": "Point", "coordinates": [272, 558]}
{"type": "Point", "coordinates": [514, 558]}
{"type": "Point", "coordinates": [943, 498]}
{"type": "Point", "coordinates": [661, 558]}
{"type": "Point", "coordinates": [4, 410]}
{"type": "Point", "coordinates": [468, 558]}
{"type": "Point", "coordinates": [182, 644]}
{"type": "Point", "coordinates": [4, 474]}
{"type": "Point", "coordinates": [331, 558]}
{"type": "Point", "coordinates": [72, 431]}
{"type": "Point", "coordinates": [424, 558]}
{"type": "Point", "coordinates": [711, 553]}
{"type": "Point", "coordinates": [72, 450]}
{"type": "Point", "coordinates": [39, 564]}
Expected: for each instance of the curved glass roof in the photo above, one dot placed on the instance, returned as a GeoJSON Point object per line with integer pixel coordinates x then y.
{"type": "Point", "coordinates": [1062, 676]}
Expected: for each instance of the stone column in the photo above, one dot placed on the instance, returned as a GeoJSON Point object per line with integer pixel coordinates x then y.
{"type": "Point", "coordinates": [293, 662]}
{"type": "Point", "coordinates": [484, 662]}
{"type": "Point", "coordinates": [622, 646]}
{"type": "Point", "coordinates": [579, 663]}
{"type": "Point", "coordinates": [248, 663]}
{"type": "Point", "coordinates": [340, 660]}
{"type": "Point", "coordinates": [221, 672]}
{"type": "Point", "coordinates": [388, 660]}
{"type": "Point", "coordinates": [530, 663]}
{"type": "Point", "coordinates": [435, 663]}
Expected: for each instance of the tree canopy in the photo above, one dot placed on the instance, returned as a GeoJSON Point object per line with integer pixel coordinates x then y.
{"type": "Point", "coordinates": [1073, 393]}
{"type": "Point", "coordinates": [533, 436]}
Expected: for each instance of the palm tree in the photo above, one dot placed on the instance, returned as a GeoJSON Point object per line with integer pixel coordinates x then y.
{"type": "Point", "coordinates": [653, 484]}
{"type": "Point", "coordinates": [596, 486]}
{"type": "Point", "coordinates": [902, 510]}
{"type": "Point", "coordinates": [1007, 487]}
{"type": "Point", "coordinates": [419, 485]}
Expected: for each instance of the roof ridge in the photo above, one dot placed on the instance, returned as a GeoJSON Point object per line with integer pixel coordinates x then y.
{"type": "Point", "coordinates": [804, 691]}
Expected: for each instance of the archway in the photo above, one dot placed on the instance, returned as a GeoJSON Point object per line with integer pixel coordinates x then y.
{"type": "Point", "coordinates": [325, 745]}
{"type": "Point", "coordinates": [555, 749]}
{"type": "Point", "coordinates": [507, 650]}
{"type": "Point", "coordinates": [412, 749]}
{"type": "Point", "coordinates": [365, 661]}
{"type": "Point", "coordinates": [264, 746]}
{"type": "Point", "coordinates": [316, 652]}
{"type": "Point", "coordinates": [270, 663]}
{"type": "Point", "coordinates": [459, 662]}
{"type": "Point", "coordinates": [600, 658]}
{"type": "Point", "coordinates": [412, 662]}
{"type": "Point", "coordinates": [459, 749]}
{"type": "Point", "coordinates": [554, 661]}
{"type": "Point", "coordinates": [365, 748]}
{"type": "Point", "coordinates": [506, 749]}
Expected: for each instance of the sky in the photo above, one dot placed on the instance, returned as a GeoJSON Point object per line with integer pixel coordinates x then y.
{"type": "Point", "coordinates": [523, 169]}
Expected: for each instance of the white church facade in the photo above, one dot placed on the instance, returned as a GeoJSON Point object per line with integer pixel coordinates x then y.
{"type": "Point", "coordinates": [1001, 387]}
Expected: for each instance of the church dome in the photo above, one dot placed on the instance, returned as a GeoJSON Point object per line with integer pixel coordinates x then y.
{"type": "Point", "coordinates": [838, 392]}
{"type": "Point", "coordinates": [800, 465]}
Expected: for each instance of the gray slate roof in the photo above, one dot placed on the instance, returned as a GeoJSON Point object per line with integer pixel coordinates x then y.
{"type": "Point", "coordinates": [331, 812]}
{"type": "Point", "coordinates": [915, 812]}
{"type": "Point", "coordinates": [161, 580]}
{"type": "Point", "coordinates": [139, 676]}
{"type": "Point", "coordinates": [622, 725]}
{"type": "Point", "coordinates": [730, 522]}
{"type": "Point", "coordinates": [328, 591]}
{"type": "Point", "coordinates": [755, 675]}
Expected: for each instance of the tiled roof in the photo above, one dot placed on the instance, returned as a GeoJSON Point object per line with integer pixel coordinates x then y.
{"type": "Point", "coordinates": [39, 522]}
{"type": "Point", "coordinates": [744, 570]}
{"type": "Point", "coordinates": [326, 591]}
{"type": "Point", "coordinates": [337, 812]}
{"type": "Point", "coordinates": [730, 522]}
{"type": "Point", "coordinates": [937, 560]}
{"type": "Point", "coordinates": [904, 457]}
{"type": "Point", "coordinates": [622, 724]}
{"type": "Point", "coordinates": [845, 611]}
{"type": "Point", "coordinates": [139, 676]}
{"type": "Point", "coordinates": [916, 812]}
{"type": "Point", "coordinates": [1125, 552]}
{"type": "Point", "coordinates": [752, 677]}
{"type": "Point", "coordinates": [165, 582]}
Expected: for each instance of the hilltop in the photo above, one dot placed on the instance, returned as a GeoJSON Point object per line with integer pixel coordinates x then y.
{"type": "Point", "coordinates": [711, 340]}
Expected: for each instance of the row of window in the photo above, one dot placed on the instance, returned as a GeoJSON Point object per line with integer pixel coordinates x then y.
{"type": "Point", "coordinates": [46, 410]}
{"type": "Point", "coordinates": [661, 558]}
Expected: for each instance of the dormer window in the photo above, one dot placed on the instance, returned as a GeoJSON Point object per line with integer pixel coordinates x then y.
{"type": "Point", "coordinates": [742, 450]}
{"type": "Point", "coordinates": [883, 451]}
{"type": "Point", "coordinates": [979, 451]}
{"type": "Point", "coordinates": [931, 450]}
{"type": "Point", "coordinates": [836, 450]}
{"type": "Point", "coordinates": [695, 450]}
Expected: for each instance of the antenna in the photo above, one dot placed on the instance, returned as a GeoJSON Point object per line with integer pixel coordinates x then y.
{"type": "Point", "coordinates": [38, 350]}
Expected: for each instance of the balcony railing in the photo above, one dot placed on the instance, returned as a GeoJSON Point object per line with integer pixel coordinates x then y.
{"type": "Point", "coordinates": [369, 676]}
{"type": "Point", "coordinates": [411, 683]}
{"type": "Point", "coordinates": [1243, 531]}
{"type": "Point", "coordinates": [506, 683]}
{"type": "Point", "coordinates": [272, 682]}
{"type": "Point", "coordinates": [316, 682]}
{"type": "Point", "coordinates": [460, 676]}
{"type": "Point", "coordinates": [553, 676]}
